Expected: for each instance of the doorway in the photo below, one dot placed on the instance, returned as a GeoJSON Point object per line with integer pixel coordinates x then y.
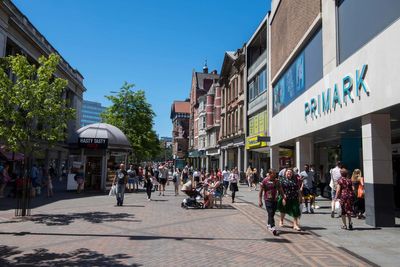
{"type": "Point", "coordinates": [93, 173]}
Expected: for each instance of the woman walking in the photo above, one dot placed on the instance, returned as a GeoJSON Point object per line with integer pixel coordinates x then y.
{"type": "Point", "coordinates": [249, 177]}
{"type": "Point", "coordinates": [233, 179]}
{"type": "Point", "coordinates": [358, 188]}
{"type": "Point", "coordinates": [255, 178]}
{"type": "Point", "coordinates": [270, 187]}
{"type": "Point", "coordinates": [288, 200]}
{"type": "Point", "coordinates": [148, 182]}
{"type": "Point", "coordinates": [346, 195]}
{"type": "Point", "coordinates": [176, 180]}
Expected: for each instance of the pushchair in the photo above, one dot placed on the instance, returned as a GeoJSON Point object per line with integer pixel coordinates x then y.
{"type": "Point", "coordinates": [194, 195]}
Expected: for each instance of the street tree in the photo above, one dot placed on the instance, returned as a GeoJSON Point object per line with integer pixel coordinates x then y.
{"type": "Point", "coordinates": [33, 113]}
{"type": "Point", "coordinates": [131, 112]}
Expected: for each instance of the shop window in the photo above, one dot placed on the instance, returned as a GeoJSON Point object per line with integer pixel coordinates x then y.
{"type": "Point", "coordinates": [302, 73]}
{"type": "Point", "coordinates": [359, 21]}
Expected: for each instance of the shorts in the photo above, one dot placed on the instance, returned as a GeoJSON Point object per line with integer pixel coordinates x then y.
{"type": "Point", "coordinates": [163, 181]}
{"type": "Point", "coordinates": [333, 194]}
{"type": "Point", "coordinates": [307, 192]}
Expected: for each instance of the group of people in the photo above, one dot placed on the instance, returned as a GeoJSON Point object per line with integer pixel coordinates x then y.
{"type": "Point", "coordinates": [287, 190]}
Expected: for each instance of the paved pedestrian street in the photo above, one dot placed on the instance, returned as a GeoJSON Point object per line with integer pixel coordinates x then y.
{"type": "Point", "coordinates": [92, 231]}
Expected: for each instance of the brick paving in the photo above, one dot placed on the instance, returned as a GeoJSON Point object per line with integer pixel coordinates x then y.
{"type": "Point", "coordinates": [93, 231]}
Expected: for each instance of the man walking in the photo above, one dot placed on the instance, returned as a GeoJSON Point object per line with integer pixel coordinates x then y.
{"type": "Point", "coordinates": [120, 180]}
{"type": "Point", "coordinates": [307, 177]}
{"type": "Point", "coordinates": [133, 183]}
{"type": "Point", "coordinates": [335, 176]}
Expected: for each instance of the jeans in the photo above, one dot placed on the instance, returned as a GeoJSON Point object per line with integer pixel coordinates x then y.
{"type": "Point", "coordinates": [271, 207]}
{"type": "Point", "coordinates": [149, 186]}
{"type": "Point", "coordinates": [120, 193]}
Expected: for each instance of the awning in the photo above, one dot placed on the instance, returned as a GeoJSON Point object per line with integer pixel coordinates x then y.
{"type": "Point", "coordinates": [11, 156]}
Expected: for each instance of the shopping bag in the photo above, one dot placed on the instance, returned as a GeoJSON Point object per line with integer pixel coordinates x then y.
{"type": "Point", "coordinates": [337, 206]}
{"type": "Point", "coordinates": [112, 191]}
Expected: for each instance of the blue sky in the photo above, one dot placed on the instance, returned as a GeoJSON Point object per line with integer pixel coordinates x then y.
{"type": "Point", "coordinates": [154, 44]}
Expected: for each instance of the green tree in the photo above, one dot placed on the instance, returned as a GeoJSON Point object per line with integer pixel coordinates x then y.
{"type": "Point", "coordinates": [131, 112]}
{"type": "Point", "coordinates": [32, 110]}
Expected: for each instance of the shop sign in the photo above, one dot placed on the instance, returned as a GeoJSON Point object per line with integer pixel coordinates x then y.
{"type": "Point", "coordinates": [329, 100]}
{"type": "Point", "coordinates": [93, 143]}
{"type": "Point", "coordinates": [256, 141]}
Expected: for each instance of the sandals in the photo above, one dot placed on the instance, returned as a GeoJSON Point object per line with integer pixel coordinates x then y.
{"type": "Point", "coordinates": [344, 227]}
{"type": "Point", "coordinates": [297, 228]}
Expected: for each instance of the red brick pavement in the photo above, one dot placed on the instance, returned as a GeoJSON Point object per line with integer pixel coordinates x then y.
{"type": "Point", "coordinates": [92, 231]}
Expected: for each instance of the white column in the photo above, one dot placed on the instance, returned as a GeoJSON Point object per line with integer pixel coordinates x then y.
{"type": "Point", "coordinates": [304, 152]}
{"type": "Point", "coordinates": [221, 159]}
{"type": "Point", "coordinates": [377, 163]}
{"type": "Point", "coordinates": [239, 163]}
{"type": "Point", "coordinates": [274, 157]}
{"type": "Point", "coordinates": [226, 157]}
{"type": "Point", "coordinates": [329, 35]}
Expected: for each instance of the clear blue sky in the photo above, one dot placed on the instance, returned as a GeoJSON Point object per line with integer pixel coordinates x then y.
{"type": "Point", "coordinates": [154, 44]}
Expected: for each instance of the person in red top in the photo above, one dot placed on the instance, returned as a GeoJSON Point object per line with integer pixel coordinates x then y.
{"type": "Point", "coordinates": [270, 187]}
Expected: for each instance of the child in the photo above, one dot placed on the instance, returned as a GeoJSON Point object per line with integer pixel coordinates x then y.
{"type": "Point", "coordinates": [270, 187]}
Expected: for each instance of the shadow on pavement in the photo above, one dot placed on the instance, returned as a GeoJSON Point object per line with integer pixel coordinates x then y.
{"type": "Point", "coordinates": [146, 237]}
{"type": "Point", "coordinates": [66, 219]}
{"type": "Point", "coordinates": [366, 228]}
{"type": "Point", "coordinates": [43, 257]}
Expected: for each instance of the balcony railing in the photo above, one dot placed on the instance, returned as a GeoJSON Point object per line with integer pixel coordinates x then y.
{"type": "Point", "coordinates": [257, 63]}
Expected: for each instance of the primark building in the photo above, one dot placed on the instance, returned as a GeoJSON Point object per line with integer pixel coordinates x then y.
{"type": "Point", "coordinates": [335, 92]}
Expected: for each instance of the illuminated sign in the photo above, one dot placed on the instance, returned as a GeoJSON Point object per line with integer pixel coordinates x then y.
{"type": "Point", "coordinates": [330, 99]}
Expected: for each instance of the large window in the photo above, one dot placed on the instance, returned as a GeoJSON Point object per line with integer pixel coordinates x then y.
{"type": "Point", "coordinates": [359, 21]}
{"type": "Point", "coordinates": [304, 71]}
{"type": "Point", "coordinates": [257, 85]}
{"type": "Point", "coordinates": [258, 124]}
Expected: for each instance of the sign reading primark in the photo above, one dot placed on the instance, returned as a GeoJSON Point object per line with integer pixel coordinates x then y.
{"type": "Point", "coordinates": [330, 99]}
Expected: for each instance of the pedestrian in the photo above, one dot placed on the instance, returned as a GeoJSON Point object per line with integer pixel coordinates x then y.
{"type": "Point", "coordinates": [49, 184]}
{"type": "Point", "coordinates": [148, 182]}
{"type": "Point", "coordinates": [225, 176]}
{"type": "Point", "coordinates": [255, 179]}
{"type": "Point", "coordinates": [4, 179]}
{"type": "Point", "coordinates": [131, 179]}
{"type": "Point", "coordinates": [163, 179]}
{"type": "Point", "coordinates": [176, 180]}
{"type": "Point", "coordinates": [307, 176]}
{"type": "Point", "coordinates": [335, 176]}
{"type": "Point", "coordinates": [322, 180]}
{"type": "Point", "coordinates": [234, 179]}
{"type": "Point", "coordinates": [345, 193]}
{"type": "Point", "coordinates": [196, 177]}
{"type": "Point", "coordinates": [120, 180]}
{"type": "Point", "coordinates": [79, 179]}
{"type": "Point", "coordinates": [185, 175]}
{"type": "Point", "coordinates": [359, 192]}
{"type": "Point", "coordinates": [249, 177]}
{"type": "Point", "coordinates": [270, 187]}
{"type": "Point", "coordinates": [288, 200]}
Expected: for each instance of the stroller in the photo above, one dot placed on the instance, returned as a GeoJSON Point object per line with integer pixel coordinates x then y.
{"type": "Point", "coordinates": [193, 196]}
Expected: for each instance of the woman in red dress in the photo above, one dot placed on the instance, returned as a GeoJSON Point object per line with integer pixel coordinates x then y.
{"type": "Point", "coordinates": [346, 195]}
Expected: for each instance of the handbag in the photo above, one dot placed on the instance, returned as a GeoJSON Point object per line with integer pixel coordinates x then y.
{"type": "Point", "coordinates": [112, 191]}
{"type": "Point", "coordinates": [360, 191]}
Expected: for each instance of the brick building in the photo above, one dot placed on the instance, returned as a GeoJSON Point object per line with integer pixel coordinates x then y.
{"type": "Point", "coordinates": [180, 115]}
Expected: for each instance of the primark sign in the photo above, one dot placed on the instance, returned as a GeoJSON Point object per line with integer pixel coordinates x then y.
{"type": "Point", "coordinates": [345, 92]}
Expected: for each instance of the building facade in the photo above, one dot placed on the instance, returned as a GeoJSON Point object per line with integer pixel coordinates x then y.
{"type": "Point", "coordinates": [232, 134]}
{"type": "Point", "coordinates": [180, 115]}
{"type": "Point", "coordinates": [91, 112]}
{"type": "Point", "coordinates": [213, 118]}
{"type": "Point", "coordinates": [201, 84]}
{"type": "Point", "coordinates": [19, 36]}
{"type": "Point", "coordinates": [256, 118]}
{"type": "Point", "coordinates": [334, 92]}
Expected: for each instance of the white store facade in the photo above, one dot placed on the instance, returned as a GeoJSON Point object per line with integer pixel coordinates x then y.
{"type": "Point", "coordinates": [352, 112]}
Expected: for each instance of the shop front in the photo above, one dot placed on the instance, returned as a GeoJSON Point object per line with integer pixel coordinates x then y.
{"type": "Point", "coordinates": [99, 150]}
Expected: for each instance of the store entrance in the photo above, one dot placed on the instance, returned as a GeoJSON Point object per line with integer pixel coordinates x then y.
{"type": "Point", "coordinates": [93, 173]}
{"type": "Point", "coordinates": [396, 180]}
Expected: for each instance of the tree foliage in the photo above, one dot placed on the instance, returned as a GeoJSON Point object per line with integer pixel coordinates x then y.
{"type": "Point", "coordinates": [32, 110]}
{"type": "Point", "coordinates": [131, 112]}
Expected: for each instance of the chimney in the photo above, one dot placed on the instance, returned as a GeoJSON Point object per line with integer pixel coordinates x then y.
{"type": "Point", "coordinates": [205, 68]}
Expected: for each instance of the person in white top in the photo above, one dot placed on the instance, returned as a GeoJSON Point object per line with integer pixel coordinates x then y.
{"type": "Point", "coordinates": [335, 176]}
{"type": "Point", "coordinates": [225, 175]}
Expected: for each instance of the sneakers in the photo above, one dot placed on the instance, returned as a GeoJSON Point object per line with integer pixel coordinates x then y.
{"type": "Point", "coordinates": [148, 199]}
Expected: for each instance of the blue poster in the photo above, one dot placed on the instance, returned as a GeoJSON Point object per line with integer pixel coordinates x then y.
{"type": "Point", "coordinates": [290, 85]}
